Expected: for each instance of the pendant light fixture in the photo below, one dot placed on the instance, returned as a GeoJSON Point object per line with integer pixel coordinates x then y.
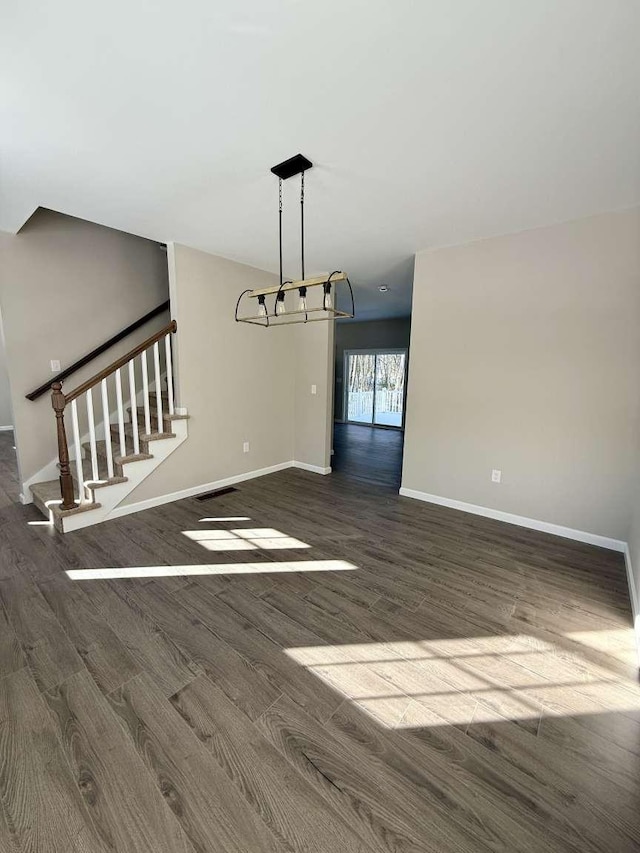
{"type": "Point", "coordinates": [321, 302]}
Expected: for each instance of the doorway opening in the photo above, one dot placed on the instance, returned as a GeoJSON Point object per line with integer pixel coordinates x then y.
{"type": "Point", "coordinates": [370, 399]}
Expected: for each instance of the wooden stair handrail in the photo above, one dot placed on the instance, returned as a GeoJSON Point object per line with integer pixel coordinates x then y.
{"type": "Point", "coordinates": [120, 362]}
{"type": "Point", "coordinates": [59, 377]}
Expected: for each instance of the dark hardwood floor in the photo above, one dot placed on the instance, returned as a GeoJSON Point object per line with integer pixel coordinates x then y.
{"type": "Point", "coordinates": [9, 488]}
{"type": "Point", "coordinates": [416, 679]}
{"type": "Point", "coordinates": [369, 454]}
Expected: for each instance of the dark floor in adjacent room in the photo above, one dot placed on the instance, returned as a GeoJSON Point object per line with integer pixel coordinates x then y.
{"type": "Point", "coordinates": [370, 454]}
{"type": "Point", "coordinates": [305, 664]}
{"type": "Point", "coordinates": [9, 489]}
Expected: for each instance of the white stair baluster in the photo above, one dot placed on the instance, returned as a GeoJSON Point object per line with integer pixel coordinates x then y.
{"type": "Point", "coordinates": [169, 363]}
{"type": "Point", "coordinates": [107, 429]}
{"type": "Point", "coordinates": [134, 408]}
{"type": "Point", "coordinates": [82, 495]}
{"type": "Point", "coordinates": [123, 443]}
{"type": "Point", "coordinates": [92, 436]}
{"type": "Point", "coordinates": [156, 367]}
{"type": "Point", "coordinates": [145, 393]}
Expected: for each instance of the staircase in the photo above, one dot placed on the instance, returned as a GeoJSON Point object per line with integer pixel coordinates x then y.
{"type": "Point", "coordinates": [114, 448]}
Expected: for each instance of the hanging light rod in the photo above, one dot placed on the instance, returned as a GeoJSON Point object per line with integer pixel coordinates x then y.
{"type": "Point", "coordinates": [283, 313]}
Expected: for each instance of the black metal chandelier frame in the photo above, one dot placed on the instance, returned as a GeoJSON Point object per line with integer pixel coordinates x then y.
{"type": "Point", "coordinates": [282, 316]}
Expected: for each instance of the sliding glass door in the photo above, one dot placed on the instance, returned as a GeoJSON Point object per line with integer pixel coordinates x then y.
{"type": "Point", "coordinates": [388, 400]}
{"type": "Point", "coordinates": [374, 386]}
{"type": "Point", "coordinates": [360, 383]}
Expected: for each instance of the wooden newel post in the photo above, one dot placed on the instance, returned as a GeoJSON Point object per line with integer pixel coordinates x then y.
{"type": "Point", "coordinates": [66, 482]}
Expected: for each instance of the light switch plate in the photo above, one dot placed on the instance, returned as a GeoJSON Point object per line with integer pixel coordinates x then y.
{"type": "Point", "coordinates": [55, 365]}
{"type": "Point", "coordinates": [496, 476]}
{"type": "Point", "coordinates": [245, 447]}
{"type": "Point", "coordinates": [314, 389]}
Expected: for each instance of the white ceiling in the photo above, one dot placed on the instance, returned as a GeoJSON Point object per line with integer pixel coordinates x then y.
{"type": "Point", "coordinates": [430, 123]}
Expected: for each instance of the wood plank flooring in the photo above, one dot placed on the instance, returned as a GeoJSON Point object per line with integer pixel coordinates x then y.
{"type": "Point", "coordinates": [369, 454]}
{"type": "Point", "coordinates": [9, 488]}
{"type": "Point", "coordinates": [446, 683]}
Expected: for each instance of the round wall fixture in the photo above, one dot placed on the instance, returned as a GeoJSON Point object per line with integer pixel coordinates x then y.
{"type": "Point", "coordinates": [383, 288]}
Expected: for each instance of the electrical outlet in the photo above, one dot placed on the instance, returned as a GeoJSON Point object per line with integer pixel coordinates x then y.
{"type": "Point", "coordinates": [55, 365]}
{"type": "Point", "coordinates": [496, 476]}
{"type": "Point", "coordinates": [245, 447]}
{"type": "Point", "coordinates": [314, 389]}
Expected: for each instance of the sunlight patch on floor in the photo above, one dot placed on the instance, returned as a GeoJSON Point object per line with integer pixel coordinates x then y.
{"type": "Point", "coordinates": [613, 642]}
{"type": "Point", "coordinates": [474, 679]}
{"type": "Point", "coordinates": [244, 539]}
{"type": "Point", "coordinates": [224, 518]}
{"type": "Point", "coordinates": [217, 569]}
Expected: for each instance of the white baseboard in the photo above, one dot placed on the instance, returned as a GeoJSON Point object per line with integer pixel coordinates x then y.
{"type": "Point", "coordinates": [6, 428]}
{"type": "Point", "coordinates": [197, 490]}
{"type": "Point", "coordinates": [635, 609]}
{"type": "Point", "coordinates": [128, 509]}
{"type": "Point", "coordinates": [316, 469]}
{"type": "Point", "coordinates": [519, 520]}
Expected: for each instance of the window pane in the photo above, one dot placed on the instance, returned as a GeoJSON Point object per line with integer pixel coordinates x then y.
{"type": "Point", "coordinates": [389, 388]}
{"type": "Point", "coordinates": [361, 379]}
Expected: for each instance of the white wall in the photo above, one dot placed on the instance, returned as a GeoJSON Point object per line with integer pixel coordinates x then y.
{"type": "Point", "coordinates": [239, 382]}
{"type": "Point", "coordinates": [66, 286]}
{"type": "Point", "coordinates": [525, 356]}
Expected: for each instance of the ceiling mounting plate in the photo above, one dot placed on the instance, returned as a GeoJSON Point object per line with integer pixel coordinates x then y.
{"type": "Point", "coordinates": [292, 166]}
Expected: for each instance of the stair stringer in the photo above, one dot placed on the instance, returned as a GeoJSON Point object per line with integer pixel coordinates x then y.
{"type": "Point", "coordinates": [136, 472]}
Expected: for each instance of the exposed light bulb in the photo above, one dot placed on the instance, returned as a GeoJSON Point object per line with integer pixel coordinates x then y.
{"type": "Point", "coordinates": [302, 302]}
{"type": "Point", "coordinates": [262, 308]}
{"type": "Point", "coordinates": [280, 306]}
{"type": "Point", "coordinates": [327, 302]}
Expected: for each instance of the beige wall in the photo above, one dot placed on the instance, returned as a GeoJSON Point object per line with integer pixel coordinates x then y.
{"type": "Point", "coordinates": [235, 380]}
{"type": "Point", "coordinates": [525, 356]}
{"type": "Point", "coordinates": [67, 285]}
{"type": "Point", "coordinates": [314, 366]}
{"type": "Point", "coordinates": [6, 415]}
{"type": "Point", "coordinates": [372, 334]}
{"type": "Point", "coordinates": [239, 382]}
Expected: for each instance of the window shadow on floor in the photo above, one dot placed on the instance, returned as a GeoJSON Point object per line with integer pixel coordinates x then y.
{"type": "Point", "coordinates": [455, 684]}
